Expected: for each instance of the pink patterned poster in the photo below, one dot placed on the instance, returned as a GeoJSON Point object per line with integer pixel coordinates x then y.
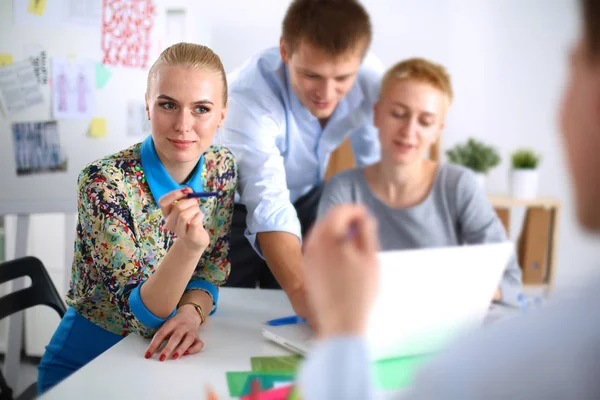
{"type": "Point", "coordinates": [126, 32]}
{"type": "Point", "coordinates": [73, 94]}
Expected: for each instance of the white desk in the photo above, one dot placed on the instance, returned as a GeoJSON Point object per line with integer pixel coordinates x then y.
{"type": "Point", "coordinates": [231, 337]}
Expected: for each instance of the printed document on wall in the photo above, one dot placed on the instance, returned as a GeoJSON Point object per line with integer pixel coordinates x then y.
{"type": "Point", "coordinates": [19, 88]}
{"type": "Point", "coordinates": [58, 13]}
{"type": "Point", "coordinates": [73, 88]}
{"type": "Point", "coordinates": [37, 148]}
{"type": "Point", "coordinates": [39, 59]}
{"type": "Point", "coordinates": [137, 119]}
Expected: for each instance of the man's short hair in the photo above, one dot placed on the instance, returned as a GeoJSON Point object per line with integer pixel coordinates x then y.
{"type": "Point", "coordinates": [334, 26]}
{"type": "Point", "coordinates": [591, 23]}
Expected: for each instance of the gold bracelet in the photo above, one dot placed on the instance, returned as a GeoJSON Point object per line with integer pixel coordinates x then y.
{"type": "Point", "coordinates": [198, 309]}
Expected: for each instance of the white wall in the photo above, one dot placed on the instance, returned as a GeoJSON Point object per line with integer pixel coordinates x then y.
{"type": "Point", "coordinates": [508, 63]}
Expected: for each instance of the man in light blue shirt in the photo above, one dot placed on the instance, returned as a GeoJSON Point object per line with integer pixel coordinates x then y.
{"type": "Point", "coordinates": [550, 354]}
{"type": "Point", "coordinates": [290, 107]}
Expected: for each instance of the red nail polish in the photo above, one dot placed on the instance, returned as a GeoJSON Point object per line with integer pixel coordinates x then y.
{"type": "Point", "coordinates": [162, 357]}
{"type": "Point", "coordinates": [184, 191]}
{"type": "Point", "coordinates": [186, 353]}
{"type": "Point", "coordinates": [175, 356]}
{"type": "Point", "coordinates": [147, 355]}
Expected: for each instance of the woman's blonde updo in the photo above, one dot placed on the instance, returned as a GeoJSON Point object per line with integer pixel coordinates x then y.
{"type": "Point", "coordinates": [191, 55]}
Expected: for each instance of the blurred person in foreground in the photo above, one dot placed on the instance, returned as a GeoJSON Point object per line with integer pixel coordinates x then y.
{"type": "Point", "coordinates": [556, 354]}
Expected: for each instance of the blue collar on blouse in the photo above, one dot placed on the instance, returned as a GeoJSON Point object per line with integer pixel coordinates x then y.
{"type": "Point", "coordinates": [158, 178]}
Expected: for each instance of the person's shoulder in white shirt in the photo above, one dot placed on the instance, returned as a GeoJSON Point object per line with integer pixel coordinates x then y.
{"type": "Point", "coordinates": [264, 118]}
{"type": "Point", "coordinates": [264, 74]}
{"type": "Point", "coordinates": [258, 87]}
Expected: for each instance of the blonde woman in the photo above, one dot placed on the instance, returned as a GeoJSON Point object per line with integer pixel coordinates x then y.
{"type": "Point", "coordinates": [416, 201]}
{"type": "Point", "coordinates": [148, 259]}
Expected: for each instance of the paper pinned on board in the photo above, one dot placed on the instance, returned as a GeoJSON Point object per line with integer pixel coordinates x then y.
{"type": "Point", "coordinates": [137, 119]}
{"type": "Point", "coordinates": [37, 148]}
{"type": "Point", "coordinates": [73, 88]}
{"type": "Point", "coordinates": [103, 74]}
{"type": "Point", "coordinates": [97, 127]}
{"type": "Point", "coordinates": [58, 13]}
{"type": "Point", "coordinates": [39, 60]}
{"type": "Point", "coordinates": [19, 88]}
{"type": "Point", "coordinates": [37, 7]}
{"type": "Point", "coordinates": [126, 32]}
{"type": "Point", "coordinates": [5, 59]}
{"type": "Point", "coordinates": [83, 12]}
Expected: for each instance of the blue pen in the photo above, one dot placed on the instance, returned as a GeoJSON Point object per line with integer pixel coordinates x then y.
{"type": "Point", "coordinates": [522, 301]}
{"type": "Point", "coordinates": [294, 319]}
{"type": "Point", "coordinates": [197, 195]}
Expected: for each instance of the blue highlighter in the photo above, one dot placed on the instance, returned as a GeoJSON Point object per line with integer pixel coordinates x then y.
{"type": "Point", "coordinates": [294, 319]}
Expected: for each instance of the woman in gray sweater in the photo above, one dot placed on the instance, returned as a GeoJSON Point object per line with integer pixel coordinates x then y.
{"type": "Point", "coordinates": [416, 201]}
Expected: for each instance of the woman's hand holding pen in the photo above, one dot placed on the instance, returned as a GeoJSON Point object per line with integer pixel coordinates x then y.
{"type": "Point", "coordinates": [342, 270]}
{"type": "Point", "coordinates": [184, 217]}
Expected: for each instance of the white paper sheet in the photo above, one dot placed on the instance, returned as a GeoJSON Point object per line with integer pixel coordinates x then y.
{"type": "Point", "coordinates": [39, 60]}
{"type": "Point", "coordinates": [19, 88]}
{"type": "Point", "coordinates": [72, 13]}
{"type": "Point", "coordinates": [83, 12]}
{"type": "Point", "coordinates": [137, 119]}
{"type": "Point", "coordinates": [73, 88]}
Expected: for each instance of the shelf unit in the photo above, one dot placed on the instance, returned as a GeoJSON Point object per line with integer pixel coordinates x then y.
{"type": "Point", "coordinates": [503, 206]}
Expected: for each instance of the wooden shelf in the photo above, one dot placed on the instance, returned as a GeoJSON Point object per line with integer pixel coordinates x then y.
{"type": "Point", "coordinates": [507, 202]}
{"type": "Point", "coordinates": [539, 287]}
{"type": "Point", "coordinates": [528, 250]}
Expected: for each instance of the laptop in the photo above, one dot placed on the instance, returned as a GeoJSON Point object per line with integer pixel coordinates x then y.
{"type": "Point", "coordinates": [426, 298]}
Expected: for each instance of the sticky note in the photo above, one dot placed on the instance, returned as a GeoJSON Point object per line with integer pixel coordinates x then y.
{"type": "Point", "coordinates": [98, 127]}
{"type": "Point", "coordinates": [5, 59]}
{"type": "Point", "coordinates": [102, 75]}
{"type": "Point", "coordinates": [37, 7]}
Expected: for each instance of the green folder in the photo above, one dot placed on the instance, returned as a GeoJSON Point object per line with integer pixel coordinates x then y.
{"type": "Point", "coordinates": [397, 373]}
{"type": "Point", "coordinates": [237, 380]}
{"type": "Point", "coordinates": [388, 374]}
{"type": "Point", "coordinates": [281, 363]}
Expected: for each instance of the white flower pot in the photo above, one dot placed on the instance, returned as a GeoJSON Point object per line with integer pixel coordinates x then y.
{"type": "Point", "coordinates": [480, 178]}
{"type": "Point", "coordinates": [524, 183]}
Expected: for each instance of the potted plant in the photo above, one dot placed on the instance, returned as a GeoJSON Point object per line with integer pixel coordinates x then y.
{"type": "Point", "coordinates": [476, 156]}
{"type": "Point", "coordinates": [524, 175]}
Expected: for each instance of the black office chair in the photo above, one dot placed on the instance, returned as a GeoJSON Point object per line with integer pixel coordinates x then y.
{"type": "Point", "coordinates": [41, 292]}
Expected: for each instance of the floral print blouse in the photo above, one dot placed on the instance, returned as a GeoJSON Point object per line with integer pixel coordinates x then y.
{"type": "Point", "coordinates": [121, 237]}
